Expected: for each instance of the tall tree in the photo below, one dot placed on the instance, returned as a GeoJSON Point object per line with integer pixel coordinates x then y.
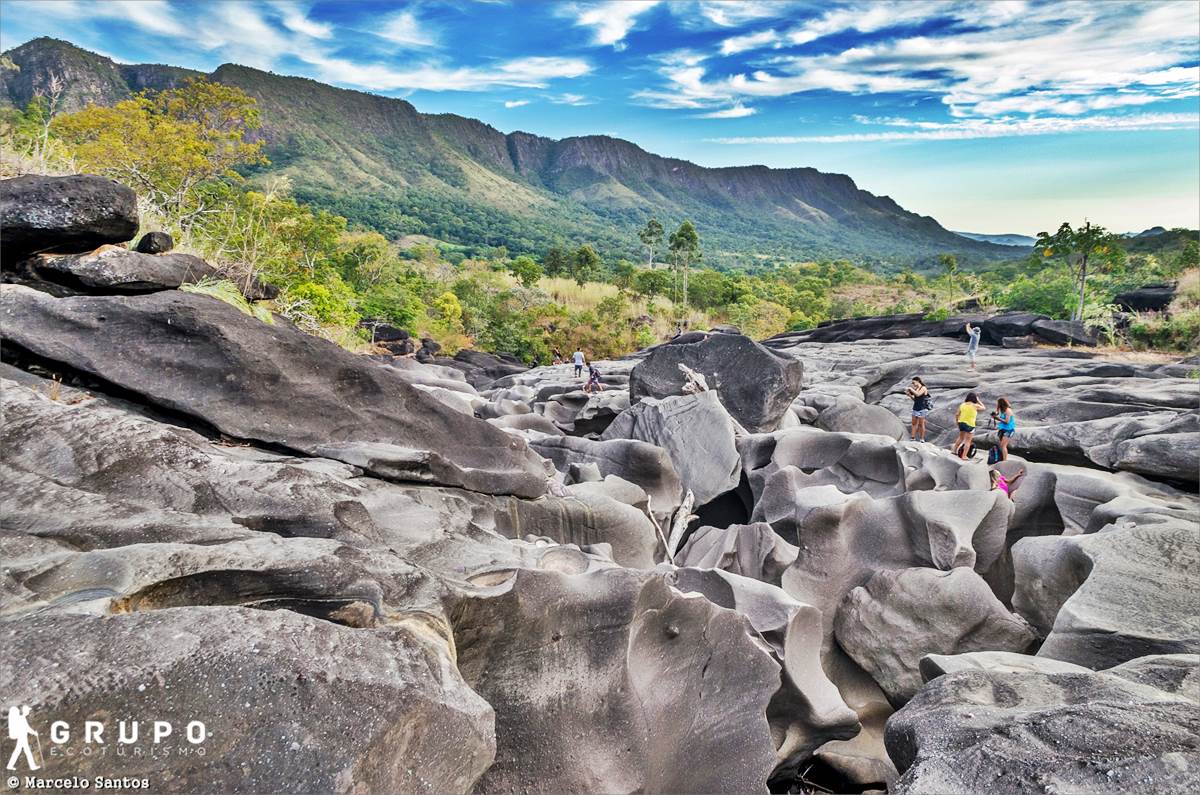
{"type": "Point", "coordinates": [651, 236]}
{"type": "Point", "coordinates": [1089, 246]}
{"type": "Point", "coordinates": [526, 270]}
{"type": "Point", "coordinates": [684, 244]}
{"type": "Point", "coordinates": [585, 266]}
{"type": "Point", "coordinates": [556, 262]}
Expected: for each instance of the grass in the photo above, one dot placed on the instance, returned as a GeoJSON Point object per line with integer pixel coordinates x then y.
{"type": "Point", "coordinates": [227, 291]}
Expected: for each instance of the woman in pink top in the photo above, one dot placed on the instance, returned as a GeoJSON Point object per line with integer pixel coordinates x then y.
{"type": "Point", "coordinates": [1002, 483]}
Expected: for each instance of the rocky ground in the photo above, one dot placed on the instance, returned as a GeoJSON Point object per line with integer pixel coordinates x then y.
{"type": "Point", "coordinates": [727, 572]}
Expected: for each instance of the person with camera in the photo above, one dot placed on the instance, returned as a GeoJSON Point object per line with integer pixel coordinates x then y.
{"type": "Point", "coordinates": [968, 410]}
{"type": "Point", "coordinates": [922, 404]}
{"type": "Point", "coordinates": [1006, 424]}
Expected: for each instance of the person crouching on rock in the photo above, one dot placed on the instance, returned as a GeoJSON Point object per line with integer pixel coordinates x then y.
{"type": "Point", "coordinates": [919, 395]}
{"type": "Point", "coordinates": [967, 412]}
{"type": "Point", "coordinates": [593, 382]}
{"type": "Point", "coordinates": [1006, 423]}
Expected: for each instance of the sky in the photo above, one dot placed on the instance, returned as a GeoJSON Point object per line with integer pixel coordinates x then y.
{"type": "Point", "coordinates": [1001, 117]}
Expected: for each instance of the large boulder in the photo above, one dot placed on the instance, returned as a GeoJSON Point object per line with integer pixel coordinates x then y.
{"type": "Point", "coordinates": [1147, 298]}
{"type": "Point", "coordinates": [112, 269]}
{"type": "Point", "coordinates": [615, 682]}
{"type": "Point", "coordinates": [63, 214]}
{"type": "Point", "coordinates": [1064, 332]}
{"type": "Point", "coordinates": [1009, 324]}
{"type": "Point", "coordinates": [288, 703]}
{"type": "Point", "coordinates": [1109, 597]}
{"type": "Point", "coordinates": [923, 611]}
{"type": "Point", "coordinates": [697, 434]}
{"type": "Point", "coordinates": [854, 416]}
{"type": "Point", "coordinates": [203, 358]}
{"type": "Point", "coordinates": [751, 550]}
{"type": "Point", "coordinates": [1002, 732]}
{"type": "Point", "coordinates": [755, 384]}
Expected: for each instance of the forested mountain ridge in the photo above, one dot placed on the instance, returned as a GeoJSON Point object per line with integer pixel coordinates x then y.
{"type": "Point", "coordinates": [382, 163]}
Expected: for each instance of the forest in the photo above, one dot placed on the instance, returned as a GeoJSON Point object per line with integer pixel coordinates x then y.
{"type": "Point", "coordinates": [190, 155]}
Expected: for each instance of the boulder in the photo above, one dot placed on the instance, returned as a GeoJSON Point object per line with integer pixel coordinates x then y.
{"type": "Point", "coordinates": [1064, 332]}
{"type": "Point", "coordinates": [155, 243]}
{"type": "Point", "coordinates": [1147, 298]}
{"type": "Point", "coordinates": [396, 717]}
{"type": "Point", "coordinates": [63, 214]}
{"type": "Point", "coordinates": [934, 665]}
{"type": "Point", "coordinates": [854, 416]}
{"type": "Point", "coordinates": [755, 384]}
{"type": "Point", "coordinates": [112, 269]}
{"type": "Point", "coordinates": [697, 434]}
{"type": "Point", "coordinates": [923, 611]}
{"type": "Point", "coordinates": [1009, 324]}
{"type": "Point", "coordinates": [1112, 596]}
{"type": "Point", "coordinates": [614, 682]}
{"type": "Point", "coordinates": [752, 550]}
{"type": "Point", "coordinates": [203, 358]}
{"type": "Point", "coordinates": [1002, 732]}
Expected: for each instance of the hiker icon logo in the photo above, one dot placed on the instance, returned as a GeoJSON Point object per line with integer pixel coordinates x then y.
{"type": "Point", "coordinates": [20, 732]}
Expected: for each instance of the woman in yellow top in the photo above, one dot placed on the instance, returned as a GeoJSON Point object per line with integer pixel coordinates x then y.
{"type": "Point", "coordinates": [967, 411]}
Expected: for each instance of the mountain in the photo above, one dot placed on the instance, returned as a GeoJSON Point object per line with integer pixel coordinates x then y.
{"type": "Point", "coordinates": [1024, 241]}
{"type": "Point", "coordinates": [1153, 231]}
{"type": "Point", "coordinates": [380, 162]}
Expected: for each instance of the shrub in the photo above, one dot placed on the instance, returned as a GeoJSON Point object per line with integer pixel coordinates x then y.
{"type": "Point", "coordinates": [227, 291]}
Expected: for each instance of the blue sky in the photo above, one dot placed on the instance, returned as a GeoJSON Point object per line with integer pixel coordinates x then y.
{"type": "Point", "coordinates": [992, 117]}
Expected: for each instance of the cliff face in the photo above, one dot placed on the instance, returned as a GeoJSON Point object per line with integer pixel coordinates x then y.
{"type": "Point", "coordinates": [460, 179]}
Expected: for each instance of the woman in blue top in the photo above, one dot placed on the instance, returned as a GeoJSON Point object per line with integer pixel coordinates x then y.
{"type": "Point", "coordinates": [1006, 423]}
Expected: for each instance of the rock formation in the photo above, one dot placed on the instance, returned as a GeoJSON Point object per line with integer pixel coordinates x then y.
{"type": "Point", "coordinates": [421, 573]}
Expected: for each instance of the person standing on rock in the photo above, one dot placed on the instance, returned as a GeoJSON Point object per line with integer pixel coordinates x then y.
{"type": "Point", "coordinates": [1006, 424]}
{"type": "Point", "coordinates": [968, 410]}
{"type": "Point", "coordinates": [558, 357]}
{"type": "Point", "coordinates": [973, 343]}
{"type": "Point", "coordinates": [922, 403]}
{"type": "Point", "coordinates": [579, 360]}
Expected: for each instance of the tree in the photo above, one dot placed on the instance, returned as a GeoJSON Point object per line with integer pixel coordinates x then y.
{"type": "Point", "coordinates": [526, 270]}
{"type": "Point", "coordinates": [1080, 249]}
{"type": "Point", "coordinates": [623, 274]}
{"type": "Point", "coordinates": [168, 145]}
{"type": "Point", "coordinates": [1189, 257]}
{"type": "Point", "coordinates": [556, 262]}
{"type": "Point", "coordinates": [685, 249]}
{"type": "Point", "coordinates": [949, 264]}
{"type": "Point", "coordinates": [651, 282]}
{"type": "Point", "coordinates": [585, 265]}
{"type": "Point", "coordinates": [651, 236]}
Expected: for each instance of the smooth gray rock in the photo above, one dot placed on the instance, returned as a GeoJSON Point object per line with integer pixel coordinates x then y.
{"type": "Point", "coordinates": [1115, 595]}
{"type": "Point", "coordinates": [63, 214]}
{"type": "Point", "coordinates": [755, 384]}
{"type": "Point", "coordinates": [199, 356]}
{"type": "Point", "coordinates": [751, 550]}
{"type": "Point", "coordinates": [1002, 732]}
{"type": "Point", "coordinates": [696, 433]}
{"type": "Point", "coordinates": [854, 416]}
{"type": "Point", "coordinates": [613, 682]}
{"type": "Point", "coordinates": [923, 611]}
{"type": "Point", "coordinates": [334, 708]}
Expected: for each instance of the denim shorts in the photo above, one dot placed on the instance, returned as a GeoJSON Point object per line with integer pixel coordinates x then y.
{"type": "Point", "coordinates": [921, 413]}
{"type": "Point", "coordinates": [1004, 432]}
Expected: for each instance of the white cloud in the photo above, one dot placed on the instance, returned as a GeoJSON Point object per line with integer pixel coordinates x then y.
{"type": "Point", "coordinates": [738, 111]}
{"type": "Point", "coordinates": [987, 60]}
{"type": "Point", "coordinates": [736, 13]}
{"type": "Point", "coordinates": [515, 103]}
{"type": "Point", "coordinates": [612, 20]}
{"type": "Point", "coordinates": [531, 72]}
{"type": "Point", "coordinates": [404, 28]}
{"type": "Point", "coordinates": [750, 41]}
{"type": "Point", "coordinates": [296, 20]}
{"type": "Point", "coordinates": [571, 99]}
{"type": "Point", "coordinates": [988, 128]}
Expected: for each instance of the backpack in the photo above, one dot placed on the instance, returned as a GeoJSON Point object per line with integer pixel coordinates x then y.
{"type": "Point", "coordinates": [994, 456]}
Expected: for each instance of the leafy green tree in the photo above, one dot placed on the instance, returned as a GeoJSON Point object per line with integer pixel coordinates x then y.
{"type": "Point", "coordinates": [585, 265]}
{"type": "Point", "coordinates": [651, 282]}
{"type": "Point", "coordinates": [1083, 248]}
{"type": "Point", "coordinates": [168, 145]}
{"type": "Point", "coordinates": [526, 270]}
{"type": "Point", "coordinates": [623, 274]}
{"type": "Point", "coordinates": [684, 244]}
{"type": "Point", "coordinates": [556, 262]}
{"type": "Point", "coordinates": [709, 289]}
{"type": "Point", "coordinates": [651, 236]}
{"type": "Point", "coordinates": [1189, 257]}
{"type": "Point", "coordinates": [949, 264]}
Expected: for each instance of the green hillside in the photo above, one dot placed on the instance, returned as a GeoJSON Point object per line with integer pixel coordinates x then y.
{"type": "Point", "coordinates": [381, 163]}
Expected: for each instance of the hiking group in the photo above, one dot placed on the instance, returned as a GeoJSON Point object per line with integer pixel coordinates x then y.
{"type": "Point", "coordinates": [1004, 420]}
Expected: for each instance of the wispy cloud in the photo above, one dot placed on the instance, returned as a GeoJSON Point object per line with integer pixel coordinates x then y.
{"type": "Point", "coordinates": [404, 28]}
{"type": "Point", "coordinates": [295, 18]}
{"type": "Point", "coordinates": [570, 99]}
{"type": "Point", "coordinates": [611, 21]}
{"type": "Point", "coordinates": [738, 111]}
{"type": "Point", "coordinates": [531, 72]}
{"type": "Point", "coordinates": [751, 41]}
{"type": "Point", "coordinates": [983, 128]}
{"type": "Point", "coordinates": [515, 103]}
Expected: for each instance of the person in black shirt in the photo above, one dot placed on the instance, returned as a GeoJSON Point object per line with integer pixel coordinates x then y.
{"type": "Point", "coordinates": [921, 406]}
